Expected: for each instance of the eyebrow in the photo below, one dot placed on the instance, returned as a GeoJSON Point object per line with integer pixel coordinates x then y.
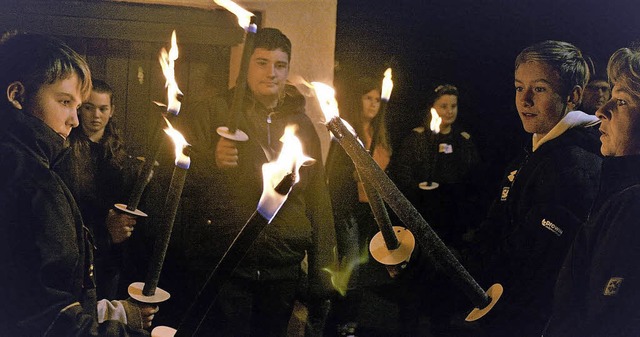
{"type": "Point", "coordinates": [535, 81]}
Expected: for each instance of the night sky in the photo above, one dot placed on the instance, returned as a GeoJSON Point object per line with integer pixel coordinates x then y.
{"type": "Point", "coordinates": [471, 44]}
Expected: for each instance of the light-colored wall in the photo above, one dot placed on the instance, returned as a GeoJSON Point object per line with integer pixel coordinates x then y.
{"type": "Point", "coordinates": [311, 27]}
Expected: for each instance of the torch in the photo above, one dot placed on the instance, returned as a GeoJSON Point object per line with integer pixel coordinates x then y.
{"type": "Point", "coordinates": [174, 97]}
{"type": "Point", "coordinates": [148, 292]}
{"type": "Point", "coordinates": [425, 235]}
{"type": "Point", "coordinates": [246, 20]}
{"type": "Point", "coordinates": [434, 125]}
{"type": "Point", "coordinates": [278, 179]}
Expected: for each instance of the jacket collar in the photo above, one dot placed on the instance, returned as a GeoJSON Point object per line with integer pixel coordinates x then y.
{"type": "Point", "coordinates": [37, 137]}
{"type": "Point", "coordinates": [570, 120]}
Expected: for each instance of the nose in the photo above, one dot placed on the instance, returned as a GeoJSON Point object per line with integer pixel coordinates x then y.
{"type": "Point", "coordinates": [271, 70]}
{"type": "Point", "coordinates": [604, 112]}
{"type": "Point", "coordinates": [73, 118]}
{"type": "Point", "coordinates": [526, 98]}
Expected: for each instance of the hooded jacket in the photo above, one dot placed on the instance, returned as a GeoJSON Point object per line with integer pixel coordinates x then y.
{"type": "Point", "coordinates": [544, 199]}
{"type": "Point", "coordinates": [304, 224]}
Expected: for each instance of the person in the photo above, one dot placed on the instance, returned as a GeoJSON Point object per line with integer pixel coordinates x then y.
{"type": "Point", "coordinates": [434, 170]}
{"type": "Point", "coordinates": [47, 284]}
{"type": "Point", "coordinates": [259, 297]}
{"type": "Point", "coordinates": [354, 221]}
{"type": "Point", "coordinates": [596, 93]}
{"type": "Point", "coordinates": [447, 158]}
{"type": "Point", "coordinates": [546, 192]}
{"type": "Point", "coordinates": [597, 289]}
{"type": "Point", "coordinates": [101, 174]}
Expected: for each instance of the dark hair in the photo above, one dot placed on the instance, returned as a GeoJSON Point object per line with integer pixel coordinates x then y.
{"type": "Point", "coordinates": [113, 150]}
{"type": "Point", "coordinates": [354, 107]}
{"type": "Point", "coordinates": [441, 90]}
{"type": "Point", "coordinates": [272, 39]}
{"type": "Point", "coordinates": [103, 87]}
{"type": "Point", "coordinates": [563, 57]}
{"type": "Point", "coordinates": [36, 60]}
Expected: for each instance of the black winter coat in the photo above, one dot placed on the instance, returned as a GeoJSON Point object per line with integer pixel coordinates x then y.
{"type": "Point", "coordinates": [545, 197]}
{"type": "Point", "coordinates": [46, 285]}
{"type": "Point", "coordinates": [598, 288]}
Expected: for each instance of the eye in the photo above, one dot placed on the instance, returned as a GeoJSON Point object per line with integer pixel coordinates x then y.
{"type": "Point", "coordinates": [519, 89]}
{"type": "Point", "coordinates": [104, 110]}
{"type": "Point", "coordinates": [65, 102]}
{"type": "Point", "coordinates": [539, 89]}
{"type": "Point", "coordinates": [281, 66]}
{"type": "Point", "coordinates": [621, 102]}
{"type": "Point", "coordinates": [261, 63]}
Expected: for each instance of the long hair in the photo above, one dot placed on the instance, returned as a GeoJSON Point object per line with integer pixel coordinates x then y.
{"type": "Point", "coordinates": [354, 108]}
{"type": "Point", "coordinates": [112, 146]}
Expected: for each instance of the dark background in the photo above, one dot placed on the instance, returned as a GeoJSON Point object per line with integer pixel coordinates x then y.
{"type": "Point", "coordinates": [471, 44]}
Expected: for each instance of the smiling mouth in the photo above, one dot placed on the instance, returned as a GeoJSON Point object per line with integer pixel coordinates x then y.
{"type": "Point", "coordinates": [527, 114]}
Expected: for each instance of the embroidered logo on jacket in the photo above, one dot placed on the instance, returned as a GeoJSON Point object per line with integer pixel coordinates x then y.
{"type": "Point", "coordinates": [445, 148]}
{"type": "Point", "coordinates": [505, 193]}
{"type": "Point", "coordinates": [552, 227]}
{"type": "Point", "coordinates": [613, 286]}
{"type": "Point", "coordinates": [512, 175]}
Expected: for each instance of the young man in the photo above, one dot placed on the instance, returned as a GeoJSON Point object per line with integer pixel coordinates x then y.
{"type": "Point", "coordinates": [598, 289]}
{"type": "Point", "coordinates": [47, 284]}
{"type": "Point", "coordinates": [100, 174]}
{"type": "Point", "coordinates": [596, 93]}
{"type": "Point", "coordinates": [226, 183]}
{"type": "Point", "coordinates": [547, 190]}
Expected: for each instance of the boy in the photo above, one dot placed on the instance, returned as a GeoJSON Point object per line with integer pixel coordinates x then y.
{"type": "Point", "coordinates": [47, 283]}
{"type": "Point", "coordinates": [547, 190]}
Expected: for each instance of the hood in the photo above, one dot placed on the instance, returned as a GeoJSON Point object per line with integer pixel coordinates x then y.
{"type": "Point", "coordinates": [573, 119]}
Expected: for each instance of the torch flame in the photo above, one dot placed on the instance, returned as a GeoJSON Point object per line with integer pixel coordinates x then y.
{"type": "Point", "coordinates": [182, 160]}
{"type": "Point", "coordinates": [289, 161]}
{"type": "Point", "coordinates": [326, 97]}
{"type": "Point", "coordinates": [387, 86]}
{"type": "Point", "coordinates": [167, 62]}
{"type": "Point", "coordinates": [436, 120]}
{"type": "Point", "coordinates": [243, 15]}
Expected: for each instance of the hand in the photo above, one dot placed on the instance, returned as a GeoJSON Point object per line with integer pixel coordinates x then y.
{"type": "Point", "coordinates": [120, 225]}
{"type": "Point", "coordinates": [226, 153]}
{"type": "Point", "coordinates": [147, 312]}
{"type": "Point", "coordinates": [139, 314]}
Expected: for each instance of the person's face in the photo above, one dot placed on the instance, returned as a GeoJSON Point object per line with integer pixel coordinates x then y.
{"type": "Point", "coordinates": [538, 98]}
{"type": "Point", "coordinates": [267, 73]}
{"type": "Point", "coordinates": [57, 104]}
{"type": "Point", "coordinates": [447, 108]}
{"type": "Point", "coordinates": [370, 104]}
{"type": "Point", "coordinates": [595, 95]}
{"type": "Point", "coordinates": [96, 112]}
{"type": "Point", "coordinates": [620, 123]}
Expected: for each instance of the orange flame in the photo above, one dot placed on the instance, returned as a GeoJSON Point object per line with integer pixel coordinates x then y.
{"type": "Point", "coordinates": [289, 161]}
{"type": "Point", "coordinates": [436, 120]}
{"type": "Point", "coordinates": [326, 97]}
{"type": "Point", "coordinates": [180, 143]}
{"type": "Point", "coordinates": [167, 62]}
{"type": "Point", "coordinates": [244, 16]}
{"type": "Point", "coordinates": [387, 86]}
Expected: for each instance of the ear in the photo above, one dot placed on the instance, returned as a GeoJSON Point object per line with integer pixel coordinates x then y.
{"type": "Point", "coordinates": [15, 94]}
{"type": "Point", "coordinates": [575, 97]}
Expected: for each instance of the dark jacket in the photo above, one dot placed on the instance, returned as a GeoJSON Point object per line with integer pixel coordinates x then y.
{"type": "Point", "coordinates": [545, 197]}
{"type": "Point", "coordinates": [448, 159]}
{"type": "Point", "coordinates": [47, 286]}
{"type": "Point", "coordinates": [97, 184]}
{"type": "Point", "coordinates": [216, 203]}
{"type": "Point", "coordinates": [598, 288]}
